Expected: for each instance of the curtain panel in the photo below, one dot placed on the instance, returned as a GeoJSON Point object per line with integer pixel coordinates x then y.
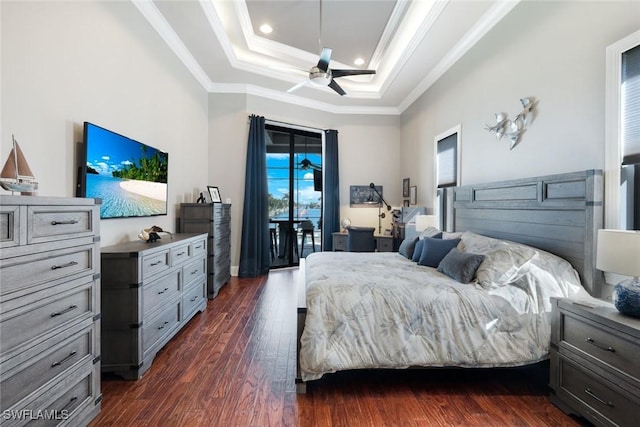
{"type": "Point", "coordinates": [255, 253]}
{"type": "Point", "coordinates": [331, 193]}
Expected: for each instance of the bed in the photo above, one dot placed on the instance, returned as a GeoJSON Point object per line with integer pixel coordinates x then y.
{"type": "Point", "coordinates": [536, 237]}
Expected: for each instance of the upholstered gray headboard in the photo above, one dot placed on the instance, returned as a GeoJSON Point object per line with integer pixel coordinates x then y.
{"type": "Point", "coordinates": [557, 213]}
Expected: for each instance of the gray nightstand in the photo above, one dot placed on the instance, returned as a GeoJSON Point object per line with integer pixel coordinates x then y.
{"type": "Point", "coordinates": [595, 363]}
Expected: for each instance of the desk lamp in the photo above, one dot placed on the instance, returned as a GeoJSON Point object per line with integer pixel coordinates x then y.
{"type": "Point", "coordinates": [380, 202]}
{"type": "Point", "coordinates": [619, 252]}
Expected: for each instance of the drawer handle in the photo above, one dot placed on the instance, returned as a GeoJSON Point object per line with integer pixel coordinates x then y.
{"type": "Point", "coordinates": [71, 221]}
{"type": "Point", "coordinates": [601, 347]}
{"type": "Point", "coordinates": [69, 264]}
{"type": "Point", "coordinates": [198, 247]}
{"type": "Point", "coordinates": [163, 291]}
{"type": "Point", "coordinates": [60, 313]}
{"type": "Point", "coordinates": [69, 357]}
{"type": "Point", "coordinates": [163, 325]}
{"type": "Point", "coordinates": [194, 272]}
{"type": "Point", "coordinates": [592, 394]}
{"type": "Point", "coordinates": [68, 405]}
{"type": "Point", "coordinates": [194, 298]}
{"type": "Point", "coordinates": [153, 264]}
{"type": "Point", "coordinates": [181, 253]}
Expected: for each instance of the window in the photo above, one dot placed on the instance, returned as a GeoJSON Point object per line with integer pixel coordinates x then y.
{"type": "Point", "coordinates": [622, 130]}
{"type": "Point", "coordinates": [447, 168]}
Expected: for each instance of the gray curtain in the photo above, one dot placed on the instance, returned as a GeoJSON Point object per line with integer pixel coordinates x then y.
{"type": "Point", "coordinates": [255, 255]}
{"type": "Point", "coordinates": [331, 193]}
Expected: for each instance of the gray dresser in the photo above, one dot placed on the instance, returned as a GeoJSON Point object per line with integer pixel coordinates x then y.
{"type": "Point", "coordinates": [595, 363]}
{"type": "Point", "coordinates": [215, 220]}
{"type": "Point", "coordinates": [150, 290]}
{"type": "Point", "coordinates": [49, 310]}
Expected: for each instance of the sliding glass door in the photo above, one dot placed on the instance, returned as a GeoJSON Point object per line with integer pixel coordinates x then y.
{"type": "Point", "coordinates": [294, 171]}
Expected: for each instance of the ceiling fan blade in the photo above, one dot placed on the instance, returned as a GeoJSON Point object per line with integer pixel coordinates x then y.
{"type": "Point", "coordinates": [325, 57]}
{"type": "Point", "coordinates": [342, 73]}
{"type": "Point", "coordinates": [335, 86]}
{"type": "Point", "coordinates": [298, 86]}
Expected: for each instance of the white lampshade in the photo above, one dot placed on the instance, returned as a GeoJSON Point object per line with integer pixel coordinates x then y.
{"type": "Point", "coordinates": [425, 221]}
{"type": "Point", "coordinates": [619, 252]}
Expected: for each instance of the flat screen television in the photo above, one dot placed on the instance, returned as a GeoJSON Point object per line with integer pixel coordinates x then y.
{"type": "Point", "coordinates": [130, 177]}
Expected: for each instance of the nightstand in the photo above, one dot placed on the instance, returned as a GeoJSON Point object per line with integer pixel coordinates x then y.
{"type": "Point", "coordinates": [595, 363]}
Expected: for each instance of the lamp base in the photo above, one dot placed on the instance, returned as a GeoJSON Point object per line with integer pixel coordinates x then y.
{"type": "Point", "coordinates": [626, 297]}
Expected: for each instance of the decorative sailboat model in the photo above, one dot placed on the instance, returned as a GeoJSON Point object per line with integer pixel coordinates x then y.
{"type": "Point", "coordinates": [16, 174]}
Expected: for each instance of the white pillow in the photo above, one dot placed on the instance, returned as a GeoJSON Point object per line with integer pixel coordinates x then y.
{"type": "Point", "coordinates": [504, 265]}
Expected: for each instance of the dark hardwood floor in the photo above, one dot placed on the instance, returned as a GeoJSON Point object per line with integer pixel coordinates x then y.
{"type": "Point", "coordinates": [234, 365]}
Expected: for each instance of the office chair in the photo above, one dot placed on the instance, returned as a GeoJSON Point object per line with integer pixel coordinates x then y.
{"type": "Point", "coordinates": [361, 239]}
{"type": "Point", "coordinates": [307, 229]}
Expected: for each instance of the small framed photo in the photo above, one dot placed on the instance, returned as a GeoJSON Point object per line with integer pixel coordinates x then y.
{"type": "Point", "coordinates": [214, 193]}
{"type": "Point", "coordinates": [405, 187]}
{"type": "Point", "coordinates": [405, 203]}
{"type": "Point", "coordinates": [413, 195]}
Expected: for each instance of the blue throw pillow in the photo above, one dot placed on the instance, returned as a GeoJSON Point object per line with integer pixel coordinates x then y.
{"type": "Point", "coordinates": [433, 250]}
{"type": "Point", "coordinates": [417, 251]}
{"type": "Point", "coordinates": [460, 266]}
{"type": "Point", "coordinates": [407, 247]}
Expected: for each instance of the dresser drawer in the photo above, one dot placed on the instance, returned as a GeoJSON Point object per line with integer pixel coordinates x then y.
{"type": "Point", "coordinates": [599, 398]}
{"type": "Point", "coordinates": [43, 316]}
{"type": "Point", "coordinates": [163, 325]}
{"type": "Point", "coordinates": [194, 271]}
{"type": "Point", "coordinates": [160, 291]}
{"type": "Point", "coordinates": [198, 248]}
{"type": "Point", "coordinates": [47, 223]}
{"type": "Point", "coordinates": [599, 342]}
{"type": "Point", "coordinates": [179, 254]}
{"type": "Point", "coordinates": [155, 263]}
{"type": "Point", "coordinates": [49, 364]}
{"type": "Point", "coordinates": [193, 298]}
{"type": "Point", "coordinates": [9, 226]}
{"type": "Point", "coordinates": [44, 268]}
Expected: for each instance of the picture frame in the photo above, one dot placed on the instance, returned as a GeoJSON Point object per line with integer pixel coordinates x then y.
{"type": "Point", "coordinates": [214, 193]}
{"type": "Point", "coordinates": [405, 203]}
{"type": "Point", "coordinates": [363, 196]}
{"type": "Point", "coordinates": [413, 195]}
{"type": "Point", "coordinates": [405, 187]}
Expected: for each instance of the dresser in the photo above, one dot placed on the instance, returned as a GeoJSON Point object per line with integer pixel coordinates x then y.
{"type": "Point", "coordinates": [150, 290]}
{"type": "Point", "coordinates": [49, 310]}
{"type": "Point", "coordinates": [595, 363]}
{"type": "Point", "coordinates": [215, 220]}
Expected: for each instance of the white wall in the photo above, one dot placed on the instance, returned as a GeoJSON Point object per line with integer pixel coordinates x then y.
{"type": "Point", "coordinates": [554, 51]}
{"type": "Point", "coordinates": [368, 151]}
{"type": "Point", "coordinates": [64, 63]}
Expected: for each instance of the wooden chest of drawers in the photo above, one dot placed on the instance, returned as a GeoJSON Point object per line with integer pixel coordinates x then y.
{"type": "Point", "coordinates": [595, 363]}
{"type": "Point", "coordinates": [49, 310]}
{"type": "Point", "coordinates": [215, 220]}
{"type": "Point", "coordinates": [149, 291]}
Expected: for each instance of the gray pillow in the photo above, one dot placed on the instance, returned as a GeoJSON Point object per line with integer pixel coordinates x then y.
{"type": "Point", "coordinates": [417, 251]}
{"type": "Point", "coordinates": [407, 246]}
{"type": "Point", "coordinates": [460, 266]}
{"type": "Point", "coordinates": [433, 250]}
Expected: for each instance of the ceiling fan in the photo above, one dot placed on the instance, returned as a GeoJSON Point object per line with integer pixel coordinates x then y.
{"type": "Point", "coordinates": [322, 75]}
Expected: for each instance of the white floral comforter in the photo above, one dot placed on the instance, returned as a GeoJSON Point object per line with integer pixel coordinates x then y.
{"type": "Point", "coordinates": [381, 310]}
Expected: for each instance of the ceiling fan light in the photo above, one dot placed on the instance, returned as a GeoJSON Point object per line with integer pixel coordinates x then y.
{"type": "Point", "coordinates": [319, 77]}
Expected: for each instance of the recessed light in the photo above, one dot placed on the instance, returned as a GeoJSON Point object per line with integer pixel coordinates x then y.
{"type": "Point", "coordinates": [266, 29]}
{"type": "Point", "coordinates": [359, 61]}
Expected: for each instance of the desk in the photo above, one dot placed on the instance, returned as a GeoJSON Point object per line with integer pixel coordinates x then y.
{"type": "Point", "coordinates": [286, 234]}
{"type": "Point", "coordinates": [383, 243]}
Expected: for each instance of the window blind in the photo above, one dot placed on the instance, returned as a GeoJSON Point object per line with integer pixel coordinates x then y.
{"type": "Point", "coordinates": [630, 94]}
{"type": "Point", "coordinates": [448, 161]}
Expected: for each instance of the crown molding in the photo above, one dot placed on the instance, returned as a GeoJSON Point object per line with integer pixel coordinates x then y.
{"type": "Point", "coordinates": [275, 95]}
{"type": "Point", "coordinates": [162, 27]}
{"type": "Point", "coordinates": [482, 27]}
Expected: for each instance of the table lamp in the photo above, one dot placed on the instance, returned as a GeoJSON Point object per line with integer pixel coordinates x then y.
{"type": "Point", "coordinates": [619, 252]}
{"type": "Point", "coordinates": [425, 221]}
